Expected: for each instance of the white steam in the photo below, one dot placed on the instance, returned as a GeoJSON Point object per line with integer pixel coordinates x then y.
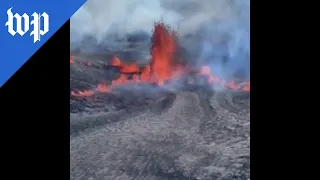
{"type": "Point", "coordinates": [221, 27]}
{"type": "Point", "coordinates": [99, 18]}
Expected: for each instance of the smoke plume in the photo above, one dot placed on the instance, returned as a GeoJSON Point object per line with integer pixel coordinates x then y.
{"type": "Point", "coordinates": [214, 32]}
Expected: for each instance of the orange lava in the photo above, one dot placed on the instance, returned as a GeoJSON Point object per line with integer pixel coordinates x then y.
{"type": "Point", "coordinates": [131, 68]}
{"type": "Point", "coordinates": [162, 66]}
{"type": "Point", "coordinates": [162, 54]}
{"type": "Point", "coordinates": [115, 61]}
{"type": "Point", "coordinates": [246, 88]}
{"type": "Point", "coordinates": [85, 93]}
{"type": "Point", "coordinates": [102, 87]}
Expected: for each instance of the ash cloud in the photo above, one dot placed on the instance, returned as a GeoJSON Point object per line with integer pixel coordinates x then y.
{"type": "Point", "coordinates": [213, 32]}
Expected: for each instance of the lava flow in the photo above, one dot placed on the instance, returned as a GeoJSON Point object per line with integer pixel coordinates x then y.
{"type": "Point", "coordinates": [162, 68]}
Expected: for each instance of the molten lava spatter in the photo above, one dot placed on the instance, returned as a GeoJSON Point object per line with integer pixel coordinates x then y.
{"type": "Point", "coordinates": [115, 61]}
{"type": "Point", "coordinates": [161, 69]}
{"type": "Point", "coordinates": [102, 87]}
{"type": "Point", "coordinates": [85, 93]}
{"type": "Point", "coordinates": [145, 75]}
{"type": "Point", "coordinates": [125, 68]}
{"type": "Point", "coordinates": [163, 47]}
{"type": "Point", "coordinates": [130, 68]}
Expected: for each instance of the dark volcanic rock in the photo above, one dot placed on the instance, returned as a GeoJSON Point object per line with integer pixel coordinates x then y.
{"type": "Point", "coordinates": [142, 132]}
{"type": "Point", "coordinates": [193, 138]}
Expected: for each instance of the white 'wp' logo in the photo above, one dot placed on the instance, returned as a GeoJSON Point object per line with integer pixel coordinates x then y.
{"type": "Point", "coordinates": [37, 32]}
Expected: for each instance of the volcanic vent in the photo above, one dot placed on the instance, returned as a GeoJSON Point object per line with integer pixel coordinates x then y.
{"type": "Point", "coordinates": [130, 121]}
{"type": "Point", "coordinates": [165, 65]}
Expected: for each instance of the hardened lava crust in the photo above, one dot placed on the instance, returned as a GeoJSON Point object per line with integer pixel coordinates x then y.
{"type": "Point", "coordinates": [196, 134]}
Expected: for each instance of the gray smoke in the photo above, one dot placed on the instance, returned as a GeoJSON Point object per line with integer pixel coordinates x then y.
{"type": "Point", "coordinates": [215, 32]}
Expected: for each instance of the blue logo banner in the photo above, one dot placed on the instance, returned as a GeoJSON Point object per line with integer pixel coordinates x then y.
{"type": "Point", "coordinates": [25, 25]}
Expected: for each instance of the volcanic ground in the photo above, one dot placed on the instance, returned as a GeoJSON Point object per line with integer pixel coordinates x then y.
{"type": "Point", "coordinates": [141, 132]}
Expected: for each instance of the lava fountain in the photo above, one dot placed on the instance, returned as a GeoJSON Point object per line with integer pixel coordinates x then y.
{"type": "Point", "coordinates": [163, 66]}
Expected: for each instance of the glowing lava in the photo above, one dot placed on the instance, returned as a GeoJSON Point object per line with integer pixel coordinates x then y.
{"type": "Point", "coordinates": [162, 54]}
{"type": "Point", "coordinates": [161, 69]}
{"type": "Point", "coordinates": [115, 61]}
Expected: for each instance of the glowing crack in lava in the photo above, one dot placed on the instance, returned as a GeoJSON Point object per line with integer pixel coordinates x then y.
{"type": "Point", "coordinates": [161, 68]}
